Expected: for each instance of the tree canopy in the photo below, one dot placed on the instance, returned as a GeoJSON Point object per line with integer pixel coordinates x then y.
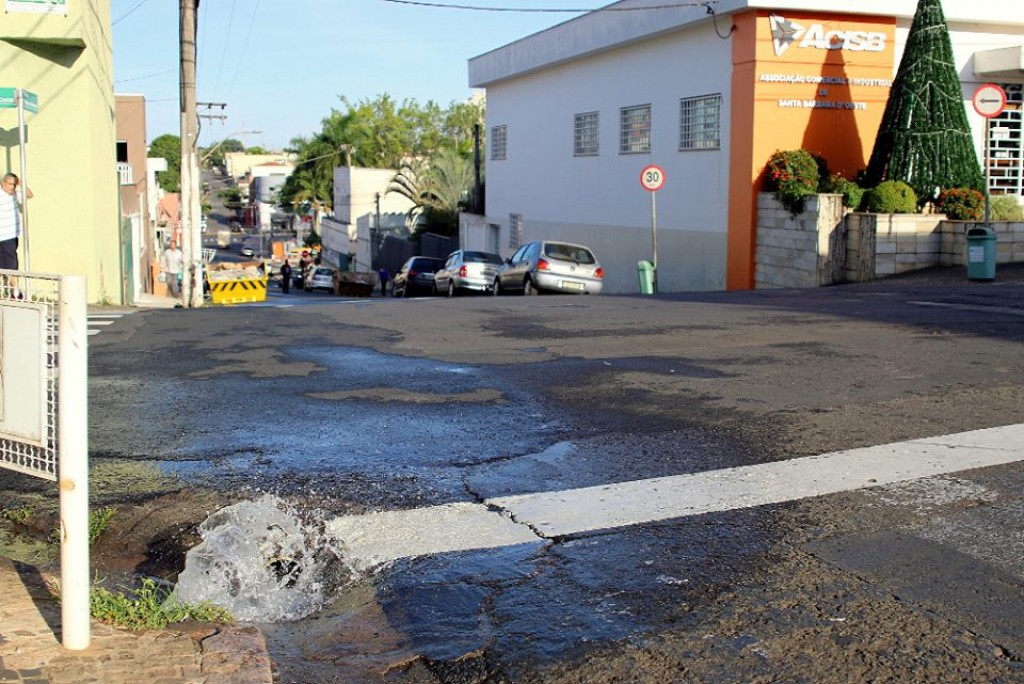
{"type": "Point", "coordinates": [377, 133]}
{"type": "Point", "coordinates": [168, 147]}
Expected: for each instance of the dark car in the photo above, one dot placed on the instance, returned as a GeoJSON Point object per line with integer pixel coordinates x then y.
{"type": "Point", "coordinates": [415, 277]}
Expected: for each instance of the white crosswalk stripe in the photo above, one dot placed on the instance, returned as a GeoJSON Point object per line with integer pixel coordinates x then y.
{"type": "Point", "coordinates": [98, 321]}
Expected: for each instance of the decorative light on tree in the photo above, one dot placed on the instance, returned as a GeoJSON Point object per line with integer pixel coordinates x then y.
{"type": "Point", "coordinates": [924, 139]}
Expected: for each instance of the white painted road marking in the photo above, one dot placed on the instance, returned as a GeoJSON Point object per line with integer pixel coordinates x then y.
{"type": "Point", "coordinates": [378, 538]}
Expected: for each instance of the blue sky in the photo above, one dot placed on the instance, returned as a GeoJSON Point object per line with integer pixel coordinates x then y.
{"type": "Point", "coordinates": [281, 65]}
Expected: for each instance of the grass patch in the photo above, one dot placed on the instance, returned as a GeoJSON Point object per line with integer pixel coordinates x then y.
{"type": "Point", "coordinates": [150, 606]}
{"type": "Point", "coordinates": [99, 521]}
{"type": "Point", "coordinates": [19, 516]}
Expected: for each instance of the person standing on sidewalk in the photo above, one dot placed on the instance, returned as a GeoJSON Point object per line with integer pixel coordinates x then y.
{"type": "Point", "coordinates": [172, 261]}
{"type": "Point", "coordinates": [286, 277]}
{"type": "Point", "coordinates": [383, 273]}
{"type": "Point", "coordinates": [10, 221]}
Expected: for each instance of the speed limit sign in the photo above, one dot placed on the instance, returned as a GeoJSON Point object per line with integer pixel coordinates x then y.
{"type": "Point", "coordinates": [652, 178]}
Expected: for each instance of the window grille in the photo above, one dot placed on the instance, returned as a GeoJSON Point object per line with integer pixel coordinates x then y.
{"type": "Point", "coordinates": [635, 129]}
{"type": "Point", "coordinates": [1005, 157]}
{"type": "Point", "coordinates": [700, 123]}
{"type": "Point", "coordinates": [499, 142]}
{"type": "Point", "coordinates": [515, 233]}
{"type": "Point", "coordinates": [586, 141]}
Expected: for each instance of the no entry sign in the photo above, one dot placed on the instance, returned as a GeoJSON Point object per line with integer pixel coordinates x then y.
{"type": "Point", "coordinates": [989, 100]}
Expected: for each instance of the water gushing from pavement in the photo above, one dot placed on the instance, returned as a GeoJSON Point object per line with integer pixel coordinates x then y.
{"type": "Point", "coordinates": [264, 562]}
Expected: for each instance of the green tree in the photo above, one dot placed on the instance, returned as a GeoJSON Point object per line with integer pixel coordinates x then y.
{"type": "Point", "coordinates": [256, 149]}
{"type": "Point", "coordinates": [214, 154]}
{"type": "Point", "coordinates": [924, 138]}
{"type": "Point", "coordinates": [168, 147]}
{"type": "Point", "coordinates": [439, 189]}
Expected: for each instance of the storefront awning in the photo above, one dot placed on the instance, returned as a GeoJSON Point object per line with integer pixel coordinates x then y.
{"type": "Point", "coordinates": [1002, 64]}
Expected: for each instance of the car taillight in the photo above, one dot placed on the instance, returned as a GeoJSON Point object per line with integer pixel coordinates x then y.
{"type": "Point", "coordinates": [462, 271]}
{"type": "Point", "coordinates": [599, 272]}
{"type": "Point", "coordinates": [542, 265]}
{"type": "Point", "coordinates": [412, 273]}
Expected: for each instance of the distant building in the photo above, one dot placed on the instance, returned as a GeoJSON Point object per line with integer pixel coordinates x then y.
{"type": "Point", "coordinates": [706, 92]}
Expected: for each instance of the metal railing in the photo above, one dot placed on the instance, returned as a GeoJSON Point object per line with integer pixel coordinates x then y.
{"type": "Point", "coordinates": [44, 415]}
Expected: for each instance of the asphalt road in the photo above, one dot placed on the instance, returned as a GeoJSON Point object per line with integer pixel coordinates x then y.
{"type": "Point", "coordinates": [347, 407]}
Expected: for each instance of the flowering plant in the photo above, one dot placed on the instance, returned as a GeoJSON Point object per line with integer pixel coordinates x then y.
{"type": "Point", "coordinates": [791, 175]}
{"type": "Point", "coordinates": [961, 204]}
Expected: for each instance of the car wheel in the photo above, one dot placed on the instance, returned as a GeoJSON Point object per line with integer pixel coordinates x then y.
{"type": "Point", "coordinates": [451, 289]}
{"type": "Point", "coordinates": [405, 292]}
{"type": "Point", "coordinates": [529, 289]}
{"type": "Point", "coordinates": [496, 290]}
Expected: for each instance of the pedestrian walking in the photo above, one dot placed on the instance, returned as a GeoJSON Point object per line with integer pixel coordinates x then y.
{"type": "Point", "coordinates": [383, 273]}
{"type": "Point", "coordinates": [172, 262]}
{"type": "Point", "coordinates": [286, 277]}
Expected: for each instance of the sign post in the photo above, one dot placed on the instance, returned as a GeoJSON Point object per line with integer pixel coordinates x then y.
{"type": "Point", "coordinates": [989, 100]}
{"type": "Point", "coordinates": [652, 178]}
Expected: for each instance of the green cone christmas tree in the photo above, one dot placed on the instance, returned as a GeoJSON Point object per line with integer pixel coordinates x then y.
{"type": "Point", "coordinates": [924, 139]}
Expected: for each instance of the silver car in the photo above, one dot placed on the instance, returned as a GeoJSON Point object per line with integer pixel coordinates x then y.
{"type": "Point", "coordinates": [466, 270]}
{"type": "Point", "coordinates": [544, 266]}
{"type": "Point", "coordinates": [319, 278]}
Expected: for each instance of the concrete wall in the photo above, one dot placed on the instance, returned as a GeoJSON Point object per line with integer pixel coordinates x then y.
{"type": "Point", "coordinates": [66, 61]}
{"type": "Point", "coordinates": [825, 245]}
{"type": "Point", "coordinates": [360, 199]}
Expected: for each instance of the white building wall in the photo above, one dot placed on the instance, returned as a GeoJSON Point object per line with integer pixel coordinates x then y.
{"type": "Point", "coordinates": [359, 194]}
{"type": "Point", "coordinates": [598, 200]}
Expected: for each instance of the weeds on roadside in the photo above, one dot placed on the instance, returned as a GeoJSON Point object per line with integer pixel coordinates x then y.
{"type": "Point", "coordinates": [150, 606]}
{"type": "Point", "coordinates": [19, 516]}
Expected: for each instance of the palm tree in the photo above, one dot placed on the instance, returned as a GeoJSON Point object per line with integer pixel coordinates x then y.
{"type": "Point", "coordinates": [438, 189]}
{"type": "Point", "coordinates": [314, 189]}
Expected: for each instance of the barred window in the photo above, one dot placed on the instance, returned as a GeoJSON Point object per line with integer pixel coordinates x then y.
{"type": "Point", "coordinates": [700, 123]}
{"type": "Point", "coordinates": [499, 142]}
{"type": "Point", "coordinates": [586, 134]}
{"type": "Point", "coordinates": [515, 233]}
{"type": "Point", "coordinates": [635, 129]}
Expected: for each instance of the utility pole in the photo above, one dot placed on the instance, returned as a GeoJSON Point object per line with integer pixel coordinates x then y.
{"type": "Point", "coordinates": [192, 246]}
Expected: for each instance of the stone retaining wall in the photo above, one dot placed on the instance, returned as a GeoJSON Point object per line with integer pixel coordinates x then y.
{"type": "Point", "coordinates": [825, 244]}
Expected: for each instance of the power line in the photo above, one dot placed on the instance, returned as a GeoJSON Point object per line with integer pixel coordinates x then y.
{"type": "Point", "coordinates": [136, 6]}
{"type": "Point", "coordinates": [547, 10]}
{"type": "Point", "coordinates": [139, 78]}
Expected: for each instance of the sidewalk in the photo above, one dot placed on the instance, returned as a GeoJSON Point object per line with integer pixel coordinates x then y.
{"type": "Point", "coordinates": [31, 653]}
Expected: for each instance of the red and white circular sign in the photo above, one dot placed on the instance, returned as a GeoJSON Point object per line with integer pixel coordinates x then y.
{"type": "Point", "coordinates": [652, 178]}
{"type": "Point", "coordinates": [989, 100]}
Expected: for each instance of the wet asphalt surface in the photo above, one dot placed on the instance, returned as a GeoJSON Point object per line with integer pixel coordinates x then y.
{"type": "Point", "coordinates": [350, 406]}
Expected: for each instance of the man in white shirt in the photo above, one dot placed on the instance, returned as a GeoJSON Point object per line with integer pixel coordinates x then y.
{"type": "Point", "coordinates": [172, 262]}
{"type": "Point", "coordinates": [10, 221]}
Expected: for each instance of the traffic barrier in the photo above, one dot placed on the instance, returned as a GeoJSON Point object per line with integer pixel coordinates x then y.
{"type": "Point", "coordinates": [238, 291]}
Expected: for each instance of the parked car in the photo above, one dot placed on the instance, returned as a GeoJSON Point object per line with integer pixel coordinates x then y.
{"type": "Point", "coordinates": [466, 270]}
{"type": "Point", "coordinates": [319, 278]}
{"type": "Point", "coordinates": [415, 277]}
{"type": "Point", "coordinates": [544, 266]}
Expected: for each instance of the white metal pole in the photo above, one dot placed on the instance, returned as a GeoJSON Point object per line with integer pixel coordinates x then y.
{"type": "Point", "coordinates": [73, 461]}
{"type": "Point", "coordinates": [20, 97]}
{"type": "Point", "coordinates": [654, 240]}
{"type": "Point", "coordinates": [988, 151]}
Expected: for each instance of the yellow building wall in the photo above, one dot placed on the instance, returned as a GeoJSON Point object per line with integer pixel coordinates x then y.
{"type": "Point", "coordinates": [73, 220]}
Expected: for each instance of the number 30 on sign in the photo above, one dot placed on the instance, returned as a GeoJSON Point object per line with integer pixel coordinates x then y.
{"type": "Point", "coordinates": [652, 178]}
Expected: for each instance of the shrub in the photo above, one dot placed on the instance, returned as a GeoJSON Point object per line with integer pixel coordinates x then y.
{"type": "Point", "coordinates": [1005, 208]}
{"type": "Point", "coordinates": [890, 197]}
{"type": "Point", "coordinates": [851, 192]}
{"type": "Point", "coordinates": [791, 175]}
{"type": "Point", "coordinates": [961, 204]}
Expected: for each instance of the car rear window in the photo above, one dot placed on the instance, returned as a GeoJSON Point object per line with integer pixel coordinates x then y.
{"type": "Point", "coordinates": [426, 265]}
{"type": "Point", "coordinates": [581, 255]}
{"type": "Point", "coordinates": [482, 258]}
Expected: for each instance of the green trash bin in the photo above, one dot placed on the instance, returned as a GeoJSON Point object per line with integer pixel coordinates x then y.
{"type": "Point", "coordinates": [981, 253]}
{"type": "Point", "coordinates": [645, 270]}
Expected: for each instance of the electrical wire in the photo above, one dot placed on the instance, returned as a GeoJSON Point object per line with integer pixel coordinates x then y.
{"type": "Point", "coordinates": [245, 47]}
{"type": "Point", "coordinates": [139, 78]}
{"type": "Point", "coordinates": [136, 6]}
